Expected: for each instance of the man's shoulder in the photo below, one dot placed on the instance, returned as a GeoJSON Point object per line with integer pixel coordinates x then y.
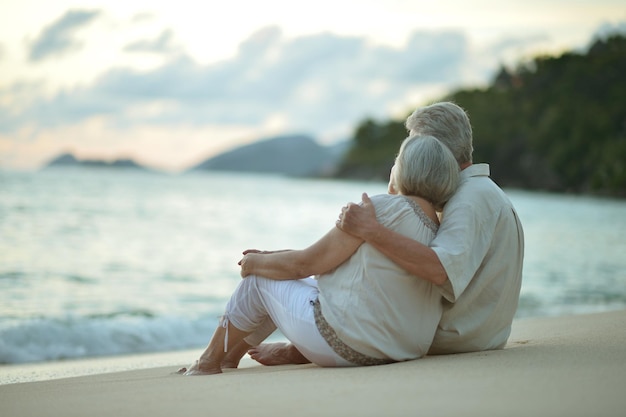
{"type": "Point", "coordinates": [477, 189]}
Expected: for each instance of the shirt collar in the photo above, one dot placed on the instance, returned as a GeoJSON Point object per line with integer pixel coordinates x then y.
{"type": "Point", "coordinates": [475, 170]}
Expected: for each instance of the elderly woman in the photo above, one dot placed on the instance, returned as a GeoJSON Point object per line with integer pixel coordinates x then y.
{"type": "Point", "coordinates": [362, 309]}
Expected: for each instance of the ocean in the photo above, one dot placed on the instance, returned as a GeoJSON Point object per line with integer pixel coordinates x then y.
{"type": "Point", "coordinates": [101, 262]}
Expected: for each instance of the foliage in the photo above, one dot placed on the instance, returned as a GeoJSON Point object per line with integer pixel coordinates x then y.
{"type": "Point", "coordinates": [554, 123]}
{"type": "Point", "coordinates": [373, 151]}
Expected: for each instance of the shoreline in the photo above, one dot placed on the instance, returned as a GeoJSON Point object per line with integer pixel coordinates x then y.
{"type": "Point", "coordinates": [52, 370]}
{"type": "Point", "coordinates": [552, 366]}
{"type": "Point", "coordinates": [70, 368]}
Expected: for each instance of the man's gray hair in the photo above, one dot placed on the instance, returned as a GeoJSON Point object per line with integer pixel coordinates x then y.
{"type": "Point", "coordinates": [426, 168]}
{"type": "Point", "coordinates": [447, 122]}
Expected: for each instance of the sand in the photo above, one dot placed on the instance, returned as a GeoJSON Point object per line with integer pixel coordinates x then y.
{"type": "Point", "coordinates": [565, 366]}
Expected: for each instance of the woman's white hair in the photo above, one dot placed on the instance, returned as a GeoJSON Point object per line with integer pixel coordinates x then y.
{"type": "Point", "coordinates": [447, 122]}
{"type": "Point", "coordinates": [426, 168]}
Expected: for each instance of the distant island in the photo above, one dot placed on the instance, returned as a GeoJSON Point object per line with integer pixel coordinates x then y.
{"type": "Point", "coordinates": [69, 160]}
{"type": "Point", "coordinates": [292, 155]}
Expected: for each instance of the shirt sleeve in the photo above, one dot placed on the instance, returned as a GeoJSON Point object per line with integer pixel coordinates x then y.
{"type": "Point", "coordinates": [461, 243]}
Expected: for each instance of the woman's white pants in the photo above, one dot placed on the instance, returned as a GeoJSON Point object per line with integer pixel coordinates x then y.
{"type": "Point", "coordinates": [260, 305]}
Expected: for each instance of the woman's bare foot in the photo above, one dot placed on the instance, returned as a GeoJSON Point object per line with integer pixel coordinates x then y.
{"type": "Point", "coordinates": [198, 369]}
{"type": "Point", "coordinates": [271, 354]}
{"type": "Point", "coordinates": [215, 354]}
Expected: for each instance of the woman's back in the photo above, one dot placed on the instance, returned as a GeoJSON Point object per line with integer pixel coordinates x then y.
{"type": "Point", "coordinates": [372, 304]}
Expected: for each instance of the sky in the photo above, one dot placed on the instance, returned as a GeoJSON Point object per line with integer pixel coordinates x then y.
{"type": "Point", "coordinates": [170, 83]}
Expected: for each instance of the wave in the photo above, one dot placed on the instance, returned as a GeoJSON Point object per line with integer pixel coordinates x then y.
{"type": "Point", "coordinates": [52, 339]}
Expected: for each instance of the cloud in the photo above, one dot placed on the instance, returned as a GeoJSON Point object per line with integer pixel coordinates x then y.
{"type": "Point", "coordinates": [608, 29]}
{"type": "Point", "coordinates": [58, 37]}
{"type": "Point", "coordinates": [163, 44]}
{"type": "Point", "coordinates": [515, 44]}
{"type": "Point", "coordinates": [143, 17]}
{"type": "Point", "coordinates": [311, 84]}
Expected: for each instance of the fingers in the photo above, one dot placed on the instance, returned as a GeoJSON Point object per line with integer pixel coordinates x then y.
{"type": "Point", "coordinates": [339, 221]}
{"type": "Point", "coordinates": [365, 198]}
{"type": "Point", "coordinates": [245, 264]}
{"type": "Point", "coordinates": [342, 216]}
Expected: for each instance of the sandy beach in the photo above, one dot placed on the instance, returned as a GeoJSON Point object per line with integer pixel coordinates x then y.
{"type": "Point", "coordinates": [563, 366]}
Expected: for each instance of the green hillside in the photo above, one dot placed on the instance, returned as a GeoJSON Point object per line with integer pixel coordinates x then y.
{"type": "Point", "coordinates": [554, 123]}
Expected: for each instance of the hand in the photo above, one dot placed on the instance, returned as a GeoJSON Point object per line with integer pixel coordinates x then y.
{"type": "Point", "coordinates": [247, 251]}
{"type": "Point", "coordinates": [246, 263]}
{"type": "Point", "coordinates": [264, 252]}
{"type": "Point", "coordinates": [358, 219]}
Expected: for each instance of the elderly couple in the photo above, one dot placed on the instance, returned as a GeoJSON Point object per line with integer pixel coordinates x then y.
{"type": "Point", "coordinates": [392, 281]}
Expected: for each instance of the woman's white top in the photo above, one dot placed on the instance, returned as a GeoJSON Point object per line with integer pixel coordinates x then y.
{"type": "Point", "coordinates": [373, 305]}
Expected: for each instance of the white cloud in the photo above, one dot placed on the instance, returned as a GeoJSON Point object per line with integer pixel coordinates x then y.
{"type": "Point", "coordinates": [314, 81]}
{"type": "Point", "coordinates": [163, 44]}
{"type": "Point", "coordinates": [58, 37]}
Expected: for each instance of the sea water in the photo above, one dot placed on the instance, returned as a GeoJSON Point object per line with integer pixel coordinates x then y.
{"type": "Point", "coordinates": [101, 262]}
